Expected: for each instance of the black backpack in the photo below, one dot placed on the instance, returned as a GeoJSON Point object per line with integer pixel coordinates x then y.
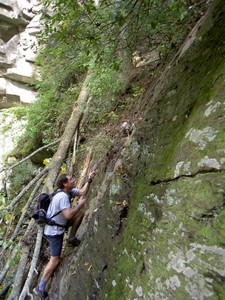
{"type": "Point", "coordinates": [40, 212]}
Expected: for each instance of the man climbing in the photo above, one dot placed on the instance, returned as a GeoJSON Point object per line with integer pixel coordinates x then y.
{"type": "Point", "coordinates": [67, 217]}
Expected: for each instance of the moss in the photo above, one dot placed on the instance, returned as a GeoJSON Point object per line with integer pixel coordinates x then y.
{"type": "Point", "coordinates": [219, 228]}
{"type": "Point", "coordinates": [219, 289]}
{"type": "Point", "coordinates": [184, 212]}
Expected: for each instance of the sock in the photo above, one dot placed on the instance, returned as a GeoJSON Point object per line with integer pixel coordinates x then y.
{"type": "Point", "coordinates": [42, 285]}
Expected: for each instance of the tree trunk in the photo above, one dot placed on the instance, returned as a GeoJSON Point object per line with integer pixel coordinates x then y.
{"type": "Point", "coordinates": [20, 273]}
{"type": "Point", "coordinates": [60, 155]}
{"type": "Point", "coordinates": [35, 257]}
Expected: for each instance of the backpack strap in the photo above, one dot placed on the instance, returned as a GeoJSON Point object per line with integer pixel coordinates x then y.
{"type": "Point", "coordinates": [52, 195]}
{"type": "Point", "coordinates": [55, 214]}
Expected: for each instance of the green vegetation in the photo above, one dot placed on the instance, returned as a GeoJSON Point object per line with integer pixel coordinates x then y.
{"type": "Point", "coordinates": [103, 31]}
{"type": "Point", "coordinates": [14, 113]}
{"type": "Point", "coordinates": [20, 112]}
{"type": "Point", "coordinates": [102, 39]}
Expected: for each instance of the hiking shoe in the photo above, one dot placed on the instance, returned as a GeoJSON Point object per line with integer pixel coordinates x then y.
{"type": "Point", "coordinates": [73, 241]}
{"type": "Point", "coordinates": [40, 294]}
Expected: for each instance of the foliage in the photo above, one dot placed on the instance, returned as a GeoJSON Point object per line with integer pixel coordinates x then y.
{"type": "Point", "coordinates": [2, 199]}
{"type": "Point", "coordinates": [84, 35]}
{"type": "Point", "coordinates": [137, 91]}
{"type": "Point", "coordinates": [11, 115]}
{"type": "Point", "coordinates": [118, 25]}
{"type": "Point", "coordinates": [20, 176]}
{"type": "Point", "coordinates": [106, 84]}
{"type": "Point", "coordinates": [105, 80]}
{"type": "Point", "coordinates": [7, 219]}
{"type": "Point", "coordinates": [20, 112]}
{"type": "Point", "coordinates": [56, 97]}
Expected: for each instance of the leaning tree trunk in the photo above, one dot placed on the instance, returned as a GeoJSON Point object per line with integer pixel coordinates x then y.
{"type": "Point", "coordinates": [25, 249]}
{"type": "Point", "coordinates": [67, 136]}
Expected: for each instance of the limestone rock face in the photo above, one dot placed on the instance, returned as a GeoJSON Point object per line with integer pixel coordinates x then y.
{"type": "Point", "coordinates": [8, 139]}
{"type": "Point", "coordinates": [19, 26]}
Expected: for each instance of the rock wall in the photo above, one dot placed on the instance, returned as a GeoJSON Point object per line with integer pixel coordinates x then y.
{"type": "Point", "coordinates": [155, 224]}
{"type": "Point", "coordinates": [19, 25]}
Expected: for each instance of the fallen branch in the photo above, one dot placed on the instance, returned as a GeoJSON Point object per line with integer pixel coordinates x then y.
{"type": "Point", "coordinates": [18, 279]}
{"type": "Point", "coordinates": [84, 173]}
{"type": "Point", "coordinates": [74, 150]}
{"type": "Point", "coordinates": [4, 290]}
{"type": "Point", "coordinates": [61, 153]}
{"type": "Point", "coordinates": [23, 262]}
{"type": "Point", "coordinates": [35, 257]}
{"type": "Point", "coordinates": [76, 137]}
{"type": "Point", "coordinates": [31, 183]}
{"type": "Point", "coordinates": [7, 265]}
{"type": "Point", "coordinates": [31, 198]}
{"type": "Point", "coordinates": [30, 155]}
{"type": "Point", "coordinates": [85, 169]}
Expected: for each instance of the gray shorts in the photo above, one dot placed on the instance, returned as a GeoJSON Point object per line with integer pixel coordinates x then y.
{"type": "Point", "coordinates": [56, 242]}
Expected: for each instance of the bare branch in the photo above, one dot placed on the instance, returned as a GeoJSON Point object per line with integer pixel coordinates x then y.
{"type": "Point", "coordinates": [4, 290]}
{"type": "Point", "coordinates": [31, 198]}
{"type": "Point", "coordinates": [29, 156]}
{"type": "Point", "coordinates": [20, 273]}
{"type": "Point", "coordinates": [7, 266]}
{"type": "Point", "coordinates": [35, 257]}
{"type": "Point", "coordinates": [84, 172]}
{"type": "Point", "coordinates": [75, 144]}
{"type": "Point", "coordinates": [32, 182]}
